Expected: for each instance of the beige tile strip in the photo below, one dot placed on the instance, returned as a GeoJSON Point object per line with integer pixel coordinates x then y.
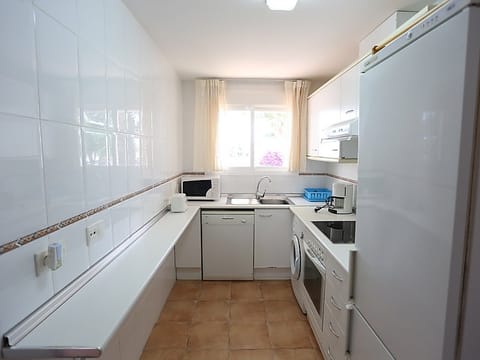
{"type": "Point", "coordinates": [24, 240]}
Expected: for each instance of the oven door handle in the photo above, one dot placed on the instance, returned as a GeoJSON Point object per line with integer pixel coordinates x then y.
{"type": "Point", "coordinates": [311, 255]}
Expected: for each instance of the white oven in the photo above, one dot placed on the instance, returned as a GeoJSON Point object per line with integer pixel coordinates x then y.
{"type": "Point", "coordinates": [314, 282]}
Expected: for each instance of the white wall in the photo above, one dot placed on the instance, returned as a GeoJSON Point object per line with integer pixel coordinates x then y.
{"type": "Point", "coordinates": [89, 112]}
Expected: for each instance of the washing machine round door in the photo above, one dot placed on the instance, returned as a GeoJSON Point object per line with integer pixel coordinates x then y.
{"type": "Point", "coordinates": [295, 257]}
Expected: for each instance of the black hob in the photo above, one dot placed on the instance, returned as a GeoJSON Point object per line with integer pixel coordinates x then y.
{"type": "Point", "coordinates": [339, 232]}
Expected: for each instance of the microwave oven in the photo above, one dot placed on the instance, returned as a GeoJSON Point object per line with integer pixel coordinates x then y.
{"type": "Point", "coordinates": [201, 187]}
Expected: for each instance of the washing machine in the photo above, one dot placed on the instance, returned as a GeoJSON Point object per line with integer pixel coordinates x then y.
{"type": "Point", "coordinates": [297, 256]}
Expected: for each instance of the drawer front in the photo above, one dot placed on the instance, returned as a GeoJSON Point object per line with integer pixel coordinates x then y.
{"type": "Point", "coordinates": [339, 279]}
{"type": "Point", "coordinates": [337, 305]}
{"type": "Point", "coordinates": [335, 345]}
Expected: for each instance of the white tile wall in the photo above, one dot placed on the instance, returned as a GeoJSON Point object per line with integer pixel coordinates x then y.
{"type": "Point", "coordinates": [118, 164]}
{"type": "Point", "coordinates": [93, 86]}
{"type": "Point", "coordinates": [120, 217]}
{"type": "Point", "coordinates": [91, 22]}
{"type": "Point", "coordinates": [64, 11]}
{"type": "Point", "coordinates": [134, 162]}
{"type": "Point", "coordinates": [18, 80]}
{"type": "Point", "coordinates": [57, 58]}
{"type": "Point", "coordinates": [22, 196]}
{"type": "Point", "coordinates": [97, 175]}
{"type": "Point", "coordinates": [62, 151]}
{"type": "Point", "coordinates": [116, 98]}
{"type": "Point", "coordinates": [281, 183]}
{"type": "Point", "coordinates": [69, 71]}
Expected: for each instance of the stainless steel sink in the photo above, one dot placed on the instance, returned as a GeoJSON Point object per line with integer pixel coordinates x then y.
{"type": "Point", "coordinates": [249, 199]}
{"type": "Point", "coordinates": [267, 201]}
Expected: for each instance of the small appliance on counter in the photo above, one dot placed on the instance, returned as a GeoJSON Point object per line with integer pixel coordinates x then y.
{"type": "Point", "coordinates": [341, 199]}
{"type": "Point", "coordinates": [203, 187]}
{"type": "Point", "coordinates": [178, 203]}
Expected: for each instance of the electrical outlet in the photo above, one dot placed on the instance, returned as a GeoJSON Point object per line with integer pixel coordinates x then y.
{"type": "Point", "coordinates": [40, 262]}
{"type": "Point", "coordinates": [95, 232]}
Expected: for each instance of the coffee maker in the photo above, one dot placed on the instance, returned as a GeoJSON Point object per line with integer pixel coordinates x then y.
{"type": "Point", "coordinates": [341, 200]}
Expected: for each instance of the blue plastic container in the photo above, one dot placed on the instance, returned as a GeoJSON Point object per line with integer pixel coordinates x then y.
{"type": "Point", "coordinates": [316, 194]}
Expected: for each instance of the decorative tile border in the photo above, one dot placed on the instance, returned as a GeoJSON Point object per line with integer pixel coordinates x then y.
{"type": "Point", "coordinates": [24, 240]}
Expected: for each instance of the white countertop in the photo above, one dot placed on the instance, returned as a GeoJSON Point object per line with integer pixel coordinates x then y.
{"type": "Point", "coordinates": [104, 302]}
{"type": "Point", "coordinates": [341, 252]}
{"type": "Point", "coordinates": [222, 203]}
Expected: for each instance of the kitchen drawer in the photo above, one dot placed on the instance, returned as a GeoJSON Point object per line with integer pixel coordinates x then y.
{"type": "Point", "coordinates": [336, 302]}
{"type": "Point", "coordinates": [335, 344]}
{"type": "Point", "coordinates": [339, 279]}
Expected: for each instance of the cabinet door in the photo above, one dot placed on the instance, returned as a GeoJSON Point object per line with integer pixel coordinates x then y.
{"type": "Point", "coordinates": [350, 88]}
{"type": "Point", "coordinates": [313, 128]}
{"type": "Point", "coordinates": [188, 248]}
{"type": "Point", "coordinates": [329, 113]}
{"type": "Point", "coordinates": [273, 230]}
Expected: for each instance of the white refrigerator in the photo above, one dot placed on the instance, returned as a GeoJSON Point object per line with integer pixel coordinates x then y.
{"type": "Point", "coordinates": [418, 118]}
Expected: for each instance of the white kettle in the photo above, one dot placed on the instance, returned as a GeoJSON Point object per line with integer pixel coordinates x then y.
{"type": "Point", "coordinates": [178, 203]}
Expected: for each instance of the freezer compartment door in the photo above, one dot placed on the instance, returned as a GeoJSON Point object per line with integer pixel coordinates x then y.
{"type": "Point", "coordinates": [364, 343]}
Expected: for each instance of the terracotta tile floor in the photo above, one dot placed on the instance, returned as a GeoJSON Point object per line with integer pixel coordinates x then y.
{"type": "Point", "coordinates": [231, 320]}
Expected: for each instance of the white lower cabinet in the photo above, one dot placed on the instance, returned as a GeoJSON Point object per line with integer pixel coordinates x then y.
{"type": "Point", "coordinates": [273, 232]}
{"type": "Point", "coordinates": [188, 250]}
{"type": "Point", "coordinates": [336, 316]}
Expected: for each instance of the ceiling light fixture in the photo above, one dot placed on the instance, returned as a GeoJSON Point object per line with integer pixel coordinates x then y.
{"type": "Point", "coordinates": [285, 5]}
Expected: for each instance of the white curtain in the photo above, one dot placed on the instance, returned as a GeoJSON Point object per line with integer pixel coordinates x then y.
{"type": "Point", "coordinates": [209, 103]}
{"type": "Point", "coordinates": [296, 96]}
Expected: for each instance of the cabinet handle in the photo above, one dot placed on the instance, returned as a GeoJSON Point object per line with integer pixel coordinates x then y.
{"type": "Point", "coordinates": [330, 327]}
{"type": "Point", "coordinates": [265, 215]}
{"type": "Point", "coordinates": [334, 303]}
{"type": "Point", "coordinates": [329, 353]}
{"type": "Point", "coordinates": [227, 218]}
{"type": "Point", "coordinates": [349, 111]}
{"type": "Point", "coordinates": [336, 276]}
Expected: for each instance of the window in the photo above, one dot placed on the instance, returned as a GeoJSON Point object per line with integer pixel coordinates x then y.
{"type": "Point", "coordinates": [254, 138]}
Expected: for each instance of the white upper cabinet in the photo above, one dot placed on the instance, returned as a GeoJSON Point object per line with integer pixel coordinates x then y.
{"type": "Point", "coordinates": [323, 111]}
{"type": "Point", "coordinates": [335, 102]}
{"type": "Point", "coordinates": [350, 89]}
{"type": "Point", "coordinates": [313, 130]}
{"type": "Point", "coordinates": [330, 110]}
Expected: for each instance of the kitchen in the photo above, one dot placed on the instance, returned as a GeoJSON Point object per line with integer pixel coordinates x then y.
{"type": "Point", "coordinates": [97, 129]}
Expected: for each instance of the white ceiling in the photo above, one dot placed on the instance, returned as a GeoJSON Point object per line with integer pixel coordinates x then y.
{"type": "Point", "coordinates": [243, 39]}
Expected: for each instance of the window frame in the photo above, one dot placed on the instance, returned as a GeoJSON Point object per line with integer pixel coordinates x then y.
{"type": "Point", "coordinates": [252, 169]}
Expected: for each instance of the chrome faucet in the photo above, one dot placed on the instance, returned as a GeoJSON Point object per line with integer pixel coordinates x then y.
{"type": "Point", "coordinates": [258, 194]}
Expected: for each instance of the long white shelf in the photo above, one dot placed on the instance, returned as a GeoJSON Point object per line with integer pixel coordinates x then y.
{"type": "Point", "coordinates": [84, 324]}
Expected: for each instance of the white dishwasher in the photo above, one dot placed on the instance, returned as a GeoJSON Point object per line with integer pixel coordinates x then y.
{"type": "Point", "coordinates": [227, 244]}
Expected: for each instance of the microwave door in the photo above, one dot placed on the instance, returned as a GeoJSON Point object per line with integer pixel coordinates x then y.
{"type": "Point", "coordinates": [197, 188]}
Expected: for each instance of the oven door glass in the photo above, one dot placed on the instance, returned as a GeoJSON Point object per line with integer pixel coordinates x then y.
{"type": "Point", "coordinates": [314, 281]}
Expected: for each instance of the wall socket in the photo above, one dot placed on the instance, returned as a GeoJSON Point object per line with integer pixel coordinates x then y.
{"type": "Point", "coordinates": [95, 232]}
